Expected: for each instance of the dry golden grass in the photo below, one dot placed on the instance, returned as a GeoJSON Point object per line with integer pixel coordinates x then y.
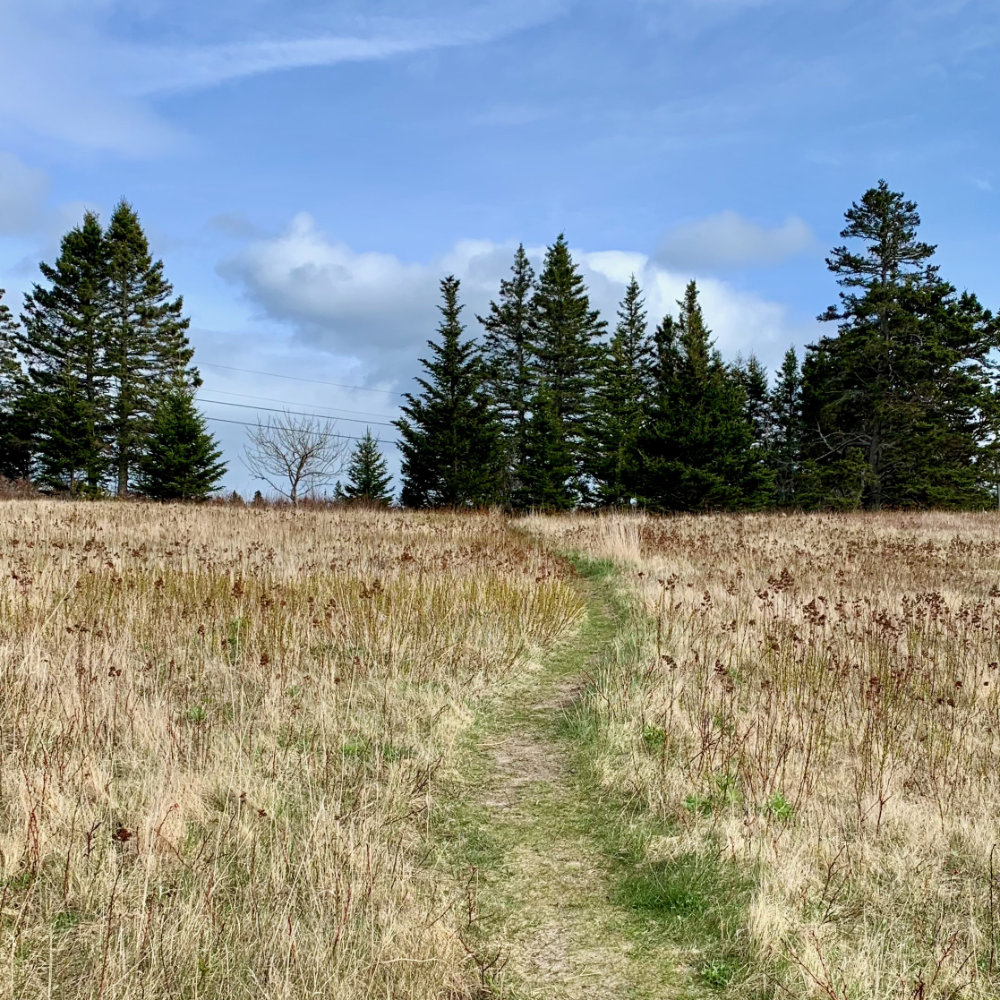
{"type": "Point", "coordinates": [220, 730]}
{"type": "Point", "coordinates": [820, 701]}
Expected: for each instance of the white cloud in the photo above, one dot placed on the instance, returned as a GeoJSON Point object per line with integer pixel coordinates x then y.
{"type": "Point", "coordinates": [730, 240]}
{"type": "Point", "coordinates": [58, 73]}
{"type": "Point", "coordinates": [377, 311]}
{"type": "Point", "coordinates": [69, 75]}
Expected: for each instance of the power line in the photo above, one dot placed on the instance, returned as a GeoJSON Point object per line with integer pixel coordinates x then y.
{"type": "Point", "coordinates": [294, 413]}
{"type": "Point", "coordinates": [298, 378]}
{"type": "Point", "coordinates": [246, 423]}
{"type": "Point", "coordinates": [292, 402]}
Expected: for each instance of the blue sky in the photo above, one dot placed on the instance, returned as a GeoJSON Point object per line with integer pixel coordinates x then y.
{"type": "Point", "coordinates": [309, 170]}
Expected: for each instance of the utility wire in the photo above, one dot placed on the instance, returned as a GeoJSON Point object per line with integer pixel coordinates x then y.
{"type": "Point", "coordinates": [298, 378]}
{"type": "Point", "coordinates": [246, 423]}
{"type": "Point", "coordinates": [294, 413]}
{"type": "Point", "coordinates": [293, 402]}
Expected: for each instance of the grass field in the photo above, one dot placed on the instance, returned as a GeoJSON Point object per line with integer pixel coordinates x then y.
{"type": "Point", "coordinates": [221, 731]}
{"type": "Point", "coordinates": [812, 705]}
{"type": "Point", "coordinates": [265, 753]}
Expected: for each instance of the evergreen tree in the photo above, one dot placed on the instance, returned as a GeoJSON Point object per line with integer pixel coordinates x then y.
{"type": "Point", "coordinates": [368, 474]}
{"type": "Point", "coordinates": [148, 350]}
{"type": "Point", "coordinates": [697, 442]}
{"type": "Point", "coordinates": [10, 369]}
{"type": "Point", "coordinates": [181, 460]}
{"type": "Point", "coordinates": [64, 344]}
{"type": "Point", "coordinates": [547, 473]}
{"type": "Point", "coordinates": [760, 483]}
{"type": "Point", "coordinates": [624, 388]}
{"type": "Point", "coordinates": [567, 351]}
{"type": "Point", "coordinates": [895, 401]}
{"type": "Point", "coordinates": [15, 432]}
{"type": "Point", "coordinates": [753, 378]}
{"type": "Point", "coordinates": [786, 448]}
{"type": "Point", "coordinates": [450, 435]}
{"type": "Point", "coordinates": [508, 349]}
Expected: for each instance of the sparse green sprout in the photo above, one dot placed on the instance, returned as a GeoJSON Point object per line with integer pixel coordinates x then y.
{"type": "Point", "coordinates": [779, 807]}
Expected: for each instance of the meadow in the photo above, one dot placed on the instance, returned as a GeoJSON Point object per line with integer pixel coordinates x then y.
{"type": "Point", "coordinates": [220, 733]}
{"type": "Point", "coordinates": [812, 706]}
{"type": "Point", "coordinates": [234, 744]}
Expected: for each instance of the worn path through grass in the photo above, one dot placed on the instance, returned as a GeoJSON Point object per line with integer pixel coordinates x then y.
{"type": "Point", "coordinates": [556, 908]}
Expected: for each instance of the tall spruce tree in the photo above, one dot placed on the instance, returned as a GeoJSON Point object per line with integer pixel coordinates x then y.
{"type": "Point", "coordinates": [753, 377]}
{"type": "Point", "coordinates": [368, 476]}
{"type": "Point", "coordinates": [894, 403]}
{"type": "Point", "coordinates": [624, 389]}
{"type": "Point", "coordinates": [64, 343]}
{"type": "Point", "coordinates": [760, 483]}
{"type": "Point", "coordinates": [10, 368]}
{"type": "Point", "coordinates": [697, 442]}
{"type": "Point", "coordinates": [567, 352]}
{"type": "Point", "coordinates": [15, 431]}
{"type": "Point", "coordinates": [181, 459]}
{"type": "Point", "coordinates": [508, 350]}
{"type": "Point", "coordinates": [787, 440]}
{"type": "Point", "coordinates": [148, 350]}
{"type": "Point", "coordinates": [547, 472]}
{"type": "Point", "coordinates": [450, 434]}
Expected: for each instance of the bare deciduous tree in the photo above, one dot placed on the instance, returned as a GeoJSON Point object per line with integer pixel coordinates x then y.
{"type": "Point", "coordinates": [296, 456]}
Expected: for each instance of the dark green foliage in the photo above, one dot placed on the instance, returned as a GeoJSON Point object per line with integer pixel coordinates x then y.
{"type": "Point", "coordinates": [567, 352]}
{"type": "Point", "coordinates": [103, 344]}
{"type": "Point", "coordinates": [697, 443]}
{"type": "Point", "coordinates": [757, 403]}
{"type": "Point", "coordinates": [450, 435]}
{"type": "Point", "coordinates": [757, 412]}
{"type": "Point", "coordinates": [508, 351]}
{"type": "Point", "coordinates": [181, 460]}
{"type": "Point", "coordinates": [15, 430]}
{"type": "Point", "coordinates": [148, 350]}
{"type": "Point", "coordinates": [547, 472]}
{"type": "Point", "coordinates": [894, 404]}
{"type": "Point", "coordinates": [10, 369]}
{"type": "Point", "coordinates": [786, 443]}
{"type": "Point", "coordinates": [64, 345]}
{"type": "Point", "coordinates": [624, 389]}
{"type": "Point", "coordinates": [368, 476]}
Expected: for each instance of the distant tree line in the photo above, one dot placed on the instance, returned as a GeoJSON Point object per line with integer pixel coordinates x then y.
{"type": "Point", "coordinates": [896, 408]}
{"type": "Point", "coordinates": [96, 381]}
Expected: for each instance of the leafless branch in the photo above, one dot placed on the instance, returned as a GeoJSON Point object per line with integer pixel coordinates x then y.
{"type": "Point", "coordinates": [295, 456]}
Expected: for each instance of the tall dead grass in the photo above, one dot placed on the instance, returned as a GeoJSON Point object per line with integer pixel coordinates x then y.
{"type": "Point", "coordinates": [819, 700]}
{"type": "Point", "coordinates": [220, 730]}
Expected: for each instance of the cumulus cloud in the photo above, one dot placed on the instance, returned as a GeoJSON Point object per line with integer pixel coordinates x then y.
{"type": "Point", "coordinates": [730, 240]}
{"type": "Point", "coordinates": [379, 310]}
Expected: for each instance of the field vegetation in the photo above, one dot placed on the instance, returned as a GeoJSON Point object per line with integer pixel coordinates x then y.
{"type": "Point", "coordinates": [810, 704]}
{"type": "Point", "coordinates": [251, 752]}
{"type": "Point", "coordinates": [221, 730]}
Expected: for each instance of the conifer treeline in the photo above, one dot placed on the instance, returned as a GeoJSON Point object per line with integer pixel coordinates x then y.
{"type": "Point", "coordinates": [551, 409]}
{"type": "Point", "coordinates": [896, 408]}
{"type": "Point", "coordinates": [96, 380]}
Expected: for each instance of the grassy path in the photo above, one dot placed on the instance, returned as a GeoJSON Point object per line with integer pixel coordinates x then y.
{"type": "Point", "coordinates": [554, 911]}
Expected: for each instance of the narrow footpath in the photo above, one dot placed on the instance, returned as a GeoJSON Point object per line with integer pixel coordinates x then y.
{"type": "Point", "coordinates": [540, 846]}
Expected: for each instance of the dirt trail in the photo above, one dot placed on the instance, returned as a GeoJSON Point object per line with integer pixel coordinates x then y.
{"type": "Point", "coordinates": [552, 897]}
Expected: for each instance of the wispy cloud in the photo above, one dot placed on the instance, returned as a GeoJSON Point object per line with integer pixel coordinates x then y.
{"type": "Point", "coordinates": [99, 98]}
{"type": "Point", "coordinates": [157, 69]}
{"type": "Point", "coordinates": [730, 240]}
